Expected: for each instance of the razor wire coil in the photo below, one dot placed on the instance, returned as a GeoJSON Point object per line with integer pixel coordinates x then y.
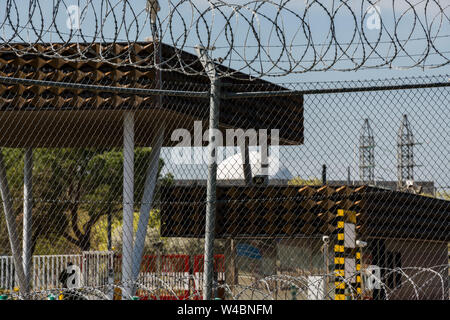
{"type": "Point", "coordinates": [259, 38]}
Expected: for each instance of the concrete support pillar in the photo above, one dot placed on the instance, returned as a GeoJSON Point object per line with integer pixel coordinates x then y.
{"type": "Point", "coordinates": [11, 226]}
{"type": "Point", "coordinates": [147, 202]}
{"type": "Point", "coordinates": [210, 70]}
{"type": "Point", "coordinates": [128, 202]}
{"type": "Point", "coordinates": [27, 216]}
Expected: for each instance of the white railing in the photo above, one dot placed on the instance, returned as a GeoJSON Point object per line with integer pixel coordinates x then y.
{"type": "Point", "coordinates": [175, 280]}
{"type": "Point", "coordinates": [7, 278]}
{"type": "Point", "coordinates": [46, 269]}
{"type": "Point", "coordinates": [96, 267]}
{"type": "Point", "coordinates": [198, 280]}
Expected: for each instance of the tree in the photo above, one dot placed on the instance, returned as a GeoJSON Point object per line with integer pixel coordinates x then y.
{"type": "Point", "coordinates": [170, 245]}
{"type": "Point", "coordinates": [72, 190]}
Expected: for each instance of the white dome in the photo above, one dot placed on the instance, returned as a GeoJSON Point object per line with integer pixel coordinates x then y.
{"type": "Point", "coordinates": [283, 174]}
{"type": "Point", "coordinates": [232, 167]}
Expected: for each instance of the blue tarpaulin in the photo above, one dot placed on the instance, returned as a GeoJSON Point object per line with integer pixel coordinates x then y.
{"type": "Point", "coordinates": [246, 250]}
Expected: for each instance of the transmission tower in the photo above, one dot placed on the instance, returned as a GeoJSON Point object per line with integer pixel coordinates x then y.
{"type": "Point", "coordinates": [405, 154]}
{"type": "Point", "coordinates": [367, 154]}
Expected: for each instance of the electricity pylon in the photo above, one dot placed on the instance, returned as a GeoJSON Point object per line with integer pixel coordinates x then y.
{"type": "Point", "coordinates": [367, 154]}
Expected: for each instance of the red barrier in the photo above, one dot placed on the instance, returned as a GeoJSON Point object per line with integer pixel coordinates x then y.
{"type": "Point", "coordinates": [174, 271]}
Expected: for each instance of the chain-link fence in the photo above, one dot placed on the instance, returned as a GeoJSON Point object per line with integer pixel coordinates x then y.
{"type": "Point", "coordinates": [323, 190]}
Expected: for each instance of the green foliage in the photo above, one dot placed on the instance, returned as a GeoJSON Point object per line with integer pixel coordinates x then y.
{"type": "Point", "coordinates": [443, 195]}
{"type": "Point", "coordinates": [100, 238]}
{"type": "Point", "coordinates": [297, 181]}
{"type": "Point", "coordinates": [439, 195]}
{"type": "Point", "coordinates": [72, 190]}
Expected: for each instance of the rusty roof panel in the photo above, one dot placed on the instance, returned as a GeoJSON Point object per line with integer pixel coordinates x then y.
{"type": "Point", "coordinates": [294, 210]}
{"type": "Point", "coordinates": [284, 114]}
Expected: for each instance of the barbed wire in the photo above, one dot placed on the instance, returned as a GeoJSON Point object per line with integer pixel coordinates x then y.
{"type": "Point", "coordinates": [260, 38]}
{"type": "Point", "coordinates": [155, 286]}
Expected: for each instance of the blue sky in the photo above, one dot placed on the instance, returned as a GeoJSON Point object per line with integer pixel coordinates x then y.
{"type": "Point", "coordinates": [185, 26]}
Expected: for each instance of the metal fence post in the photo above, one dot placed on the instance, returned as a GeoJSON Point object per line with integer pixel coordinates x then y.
{"type": "Point", "coordinates": [208, 271]}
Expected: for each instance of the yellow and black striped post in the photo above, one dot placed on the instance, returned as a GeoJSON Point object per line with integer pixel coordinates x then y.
{"type": "Point", "coordinates": [346, 250]}
{"type": "Point", "coordinates": [339, 259]}
{"type": "Point", "coordinates": [358, 273]}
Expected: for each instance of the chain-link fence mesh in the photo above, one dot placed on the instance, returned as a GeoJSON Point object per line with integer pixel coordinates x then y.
{"type": "Point", "coordinates": [324, 190]}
